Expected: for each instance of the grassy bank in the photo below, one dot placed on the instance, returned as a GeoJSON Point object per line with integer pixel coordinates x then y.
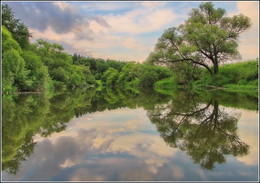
{"type": "Point", "coordinates": [238, 79]}
{"type": "Point", "coordinates": [233, 77]}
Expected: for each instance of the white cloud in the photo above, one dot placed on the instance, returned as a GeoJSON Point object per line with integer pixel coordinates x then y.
{"type": "Point", "coordinates": [248, 44]}
{"type": "Point", "coordinates": [152, 4]}
{"type": "Point", "coordinates": [64, 5]}
{"type": "Point", "coordinates": [100, 46]}
{"type": "Point", "coordinates": [107, 6]}
{"type": "Point", "coordinates": [52, 35]}
{"type": "Point", "coordinates": [92, 38]}
{"type": "Point", "coordinates": [141, 20]}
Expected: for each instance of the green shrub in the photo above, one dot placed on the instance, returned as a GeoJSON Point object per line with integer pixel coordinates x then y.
{"type": "Point", "coordinates": [244, 73]}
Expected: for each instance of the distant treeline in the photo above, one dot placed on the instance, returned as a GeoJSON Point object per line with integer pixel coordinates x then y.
{"type": "Point", "coordinates": [123, 74]}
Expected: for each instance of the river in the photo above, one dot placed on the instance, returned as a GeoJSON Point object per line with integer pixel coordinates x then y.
{"type": "Point", "coordinates": [131, 135]}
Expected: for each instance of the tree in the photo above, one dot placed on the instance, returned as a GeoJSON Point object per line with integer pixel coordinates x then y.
{"type": "Point", "coordinates": [63, 70]}
{"type": "Point", "coordinates": [12, 62]}
{"type": "Point", "coordinates": [148, 78]}
{"type": "Point", "coordinates": [206, 39]}
{"type": "Point", "coordinates": [38, 78]}
{"type": "Point", "coordinates": [19, 31]}
{"type": "Point", "coordinates": [110, 76]}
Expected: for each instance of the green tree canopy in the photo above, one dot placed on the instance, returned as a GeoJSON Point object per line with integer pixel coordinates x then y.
{"type": "Point", "coordinates": [61, 67]}
{"type": "Point", "coordinates": [13, 65]}
{"type": "Point", "coordinates": [19, 31]}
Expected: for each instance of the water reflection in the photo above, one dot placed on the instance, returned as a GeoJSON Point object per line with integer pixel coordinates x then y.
{"type": "Point", "coordinates": [206, 132]}
{"type": "Point", "coordinates": [119, 138]}
{"type": "Point", "coordinates": [27, 115]}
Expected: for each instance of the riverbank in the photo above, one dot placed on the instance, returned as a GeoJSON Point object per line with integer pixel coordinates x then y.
{"type": "Point", "coordinates": [236, 77]}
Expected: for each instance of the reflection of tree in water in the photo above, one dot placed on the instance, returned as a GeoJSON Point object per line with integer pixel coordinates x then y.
{"type": "Point", "coordinates": [27, 115]}
{"type": "Point", "coordinates": [205, 132]}
{"type": "Point", "coordinates": [21, 117]}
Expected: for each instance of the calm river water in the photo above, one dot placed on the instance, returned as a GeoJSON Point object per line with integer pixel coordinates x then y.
{"type": "Point", "coordinates": [85, 135]}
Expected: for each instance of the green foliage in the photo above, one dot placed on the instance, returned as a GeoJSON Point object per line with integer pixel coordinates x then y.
{"type": "Point", "coordinates": [13, 65]}
{"type": "Point", "coordinates": [97, 66]}
{"type": "Point", "coordinates": [110, 77]}
{"type": "Point", "coordinates": [185, 73]}
{"type": "Point", "coordinates": [59, 74]}
{"type": "Point", "coordinates": [13, 70]}
{"type": "Point", "coordinates": [8, 42]}
{"type": "Point", "coordinates": [61, 67]}
{"type": "Point", "coordinates": [37, 67]}
{"type": "Point", "coordinates": [21, 118]}
{"type": "Point", "coordinates": [168, 83]}
{"type": "Point", "coordinates": [122, 74]}
{"type": "Point", "coordinates": [38, 78]}
{"type": "Point", "coordinates": [19, 31]}
{"type": "Point", "coordinates": [237, 98]}
{"type": "Point", "coordinates": [242, 75]}
{"type": "Point", "coordinates": [141, 75]}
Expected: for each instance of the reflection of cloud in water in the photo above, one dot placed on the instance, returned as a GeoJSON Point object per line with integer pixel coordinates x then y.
{"type": "Point", "coordinates": [107, 142]}
{"type": "Point", "coordinates": [115, 145]}
{"type": "Point", "coordinates": [248, 133]}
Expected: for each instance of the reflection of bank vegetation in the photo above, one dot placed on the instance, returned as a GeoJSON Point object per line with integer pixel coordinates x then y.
{"type": "Point", "coordinates": [208, 139]}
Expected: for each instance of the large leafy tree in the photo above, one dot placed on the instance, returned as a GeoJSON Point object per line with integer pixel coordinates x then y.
{"type": "Point", "coordinates": [12, 62]}
{"type": "Point", "coordinates": [207, 38]}
{"type": "Point", "coordinates": [22, 69]}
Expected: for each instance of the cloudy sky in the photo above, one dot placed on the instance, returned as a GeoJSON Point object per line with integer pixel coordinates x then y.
{"type": "Point", "coordinates": [120, 30]}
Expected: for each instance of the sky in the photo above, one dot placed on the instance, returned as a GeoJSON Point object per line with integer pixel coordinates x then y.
{"type": "Point", "coordinates": [125, 31]}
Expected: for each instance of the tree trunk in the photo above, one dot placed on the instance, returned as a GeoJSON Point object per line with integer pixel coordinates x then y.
{"type": "Point", "coordinates": [215, 67]}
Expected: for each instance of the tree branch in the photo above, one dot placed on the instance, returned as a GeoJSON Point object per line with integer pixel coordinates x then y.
{"type": "Point", "coordinates": [194, 112]}
{"type": "Point", "coordinates": [192, 60]}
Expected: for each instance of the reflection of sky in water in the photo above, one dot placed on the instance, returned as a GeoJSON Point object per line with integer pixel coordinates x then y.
{"type": "Point", "coordinates": [124, 145]}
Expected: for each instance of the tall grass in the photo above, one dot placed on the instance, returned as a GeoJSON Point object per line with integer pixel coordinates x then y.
{"type": "Point", "coordinates": [242, 75]}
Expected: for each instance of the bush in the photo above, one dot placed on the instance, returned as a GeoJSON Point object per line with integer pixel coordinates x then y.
{"type": "Point", "coordinates": [245, 73]}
